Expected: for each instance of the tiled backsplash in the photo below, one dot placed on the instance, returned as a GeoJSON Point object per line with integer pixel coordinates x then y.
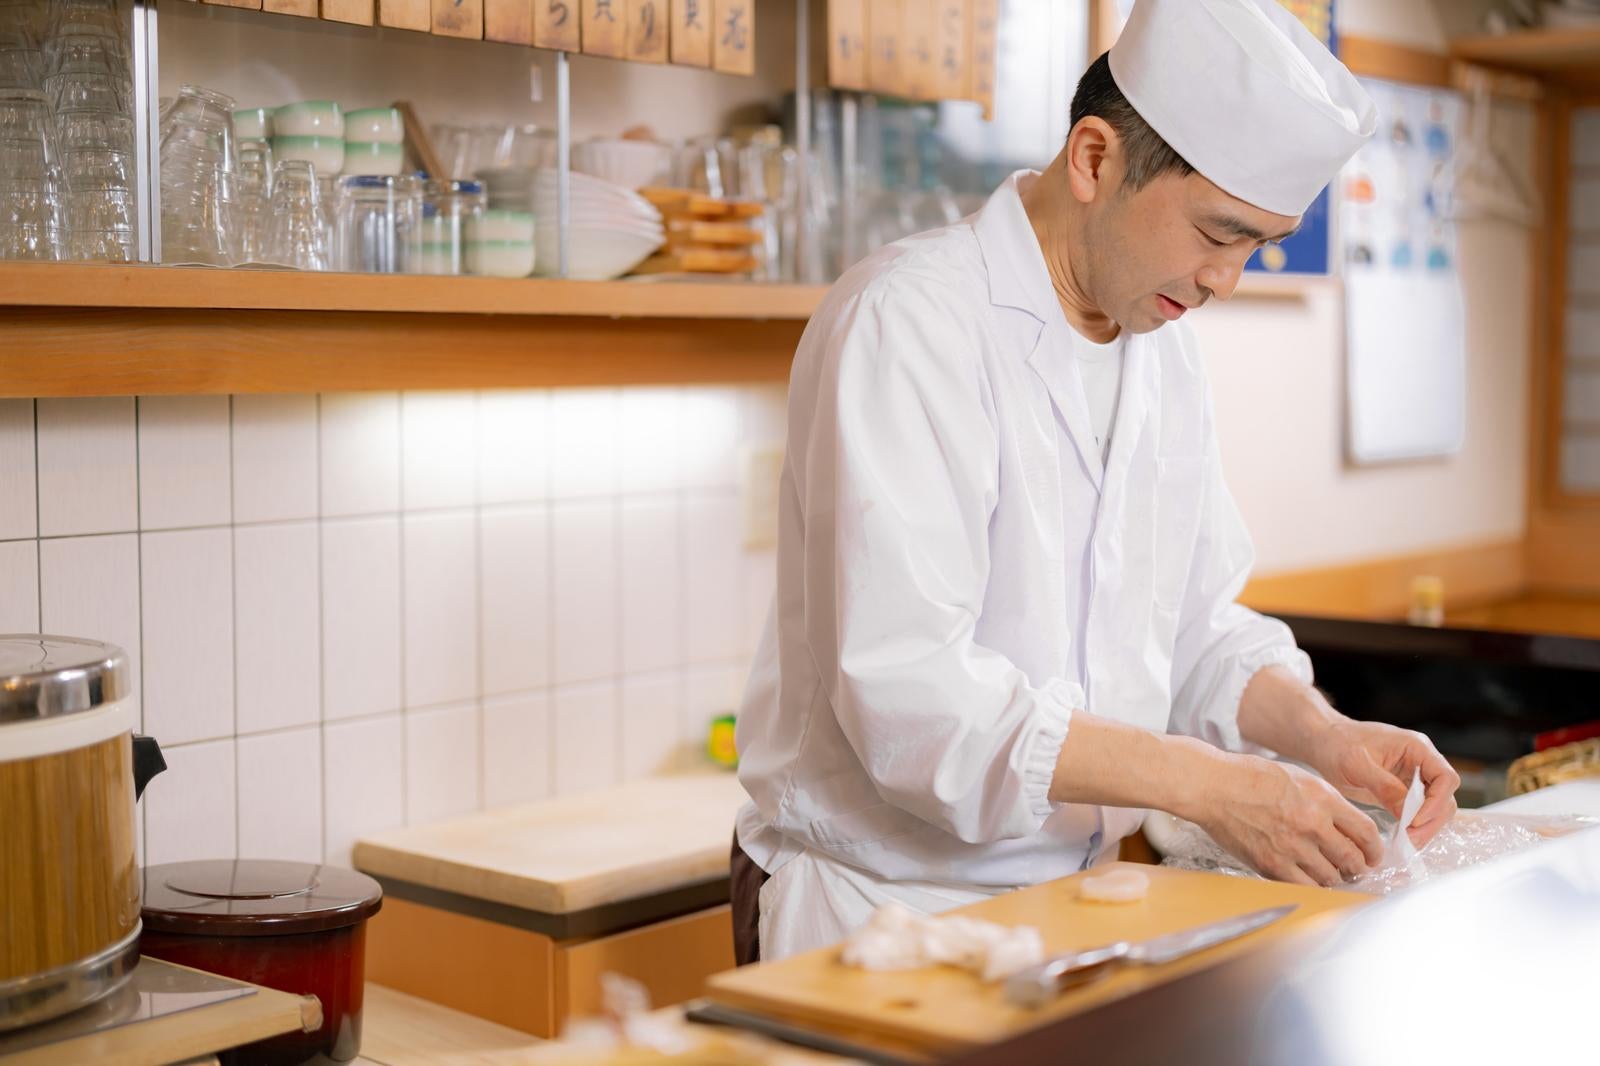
{"type": "Point", "coordinates": [357, 611]}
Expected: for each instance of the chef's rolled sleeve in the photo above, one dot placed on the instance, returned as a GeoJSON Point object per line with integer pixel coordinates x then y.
{"type": "Point", "coordinates": [946, 728]}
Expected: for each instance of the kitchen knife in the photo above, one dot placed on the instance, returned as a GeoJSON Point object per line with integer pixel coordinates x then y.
{"type": "Point", "coordinates": [1037, 985]}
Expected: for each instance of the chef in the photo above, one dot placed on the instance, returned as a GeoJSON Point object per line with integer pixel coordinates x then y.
{"type": "Point", "coordinates": [1007, 560]}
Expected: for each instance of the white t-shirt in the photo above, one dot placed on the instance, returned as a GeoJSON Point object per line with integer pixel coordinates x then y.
{"type": "Point", "coordinates": [1100, 370]}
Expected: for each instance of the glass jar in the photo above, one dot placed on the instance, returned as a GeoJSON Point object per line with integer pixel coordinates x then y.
{"type": "Point", "coordinates": [439, 244]}
{"type": "Point", "coordinates": [377, 216]}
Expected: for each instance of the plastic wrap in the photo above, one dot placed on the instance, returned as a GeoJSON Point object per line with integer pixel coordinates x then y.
{"type": "Point", "coordinates": [1470, 838]}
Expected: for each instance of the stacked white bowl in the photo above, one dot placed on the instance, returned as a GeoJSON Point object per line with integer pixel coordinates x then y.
{"type": "Point", "coordinates": [373, 140]}
{"type": "Point", "coordinates": [631, 164]}
{"type": "Point", "coordinates": [311, 130]}
{"type": "Point", "coordinates": [613, 228]}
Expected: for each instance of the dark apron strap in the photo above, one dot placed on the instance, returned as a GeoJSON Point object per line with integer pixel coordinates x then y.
{"type": "Point", "coordinates": [746, 879]}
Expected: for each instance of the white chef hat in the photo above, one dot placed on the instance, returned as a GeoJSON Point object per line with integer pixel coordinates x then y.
{"type": "Point", "coordinates": [1245, 94]}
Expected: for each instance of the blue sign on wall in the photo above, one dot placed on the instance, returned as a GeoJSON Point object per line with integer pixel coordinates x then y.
{"type": "Point", "coordinates": [1309, 251]}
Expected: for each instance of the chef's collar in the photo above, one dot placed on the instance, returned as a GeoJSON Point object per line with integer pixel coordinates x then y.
{"type": "Point", "coordinates": [1018, 276]}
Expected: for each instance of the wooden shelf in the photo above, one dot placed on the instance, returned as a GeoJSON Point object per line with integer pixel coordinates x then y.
{"type": "Point", "coordinates": [1565, 55]}
{"type": "Point", "coordinates": [85, 329]}
{"type": "Point", "coordinates": [144, 286]}
{"type": "Point", "coordinates": [78, 329]}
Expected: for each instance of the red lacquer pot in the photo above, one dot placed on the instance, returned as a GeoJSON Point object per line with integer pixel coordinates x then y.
{"type": "Point", "coordinates": [292, 926]}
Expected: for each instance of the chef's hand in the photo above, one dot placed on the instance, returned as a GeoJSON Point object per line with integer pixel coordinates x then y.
{"type": "Point", "coordinates": [1288, 824]}
{"type": "Point", "coordinates": [1371, 762]}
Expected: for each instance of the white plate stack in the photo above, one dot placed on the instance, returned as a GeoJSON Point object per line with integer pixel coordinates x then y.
{"type": "Point", "coordinates": [613, 228]}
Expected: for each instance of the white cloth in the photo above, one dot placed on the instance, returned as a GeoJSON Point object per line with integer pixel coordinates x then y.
{"type": "Point", "coordinates": [1100, 370]}
{"type": "Point", "coordinates": [1245, 94]}
{"type": "Point", "coordinates": [956, 580]}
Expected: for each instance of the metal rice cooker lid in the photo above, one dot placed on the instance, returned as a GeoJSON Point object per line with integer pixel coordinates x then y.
{"type": "Point", "coordinates": [45, 676]}
{"type": "Point", "coordinates": [255, 897]}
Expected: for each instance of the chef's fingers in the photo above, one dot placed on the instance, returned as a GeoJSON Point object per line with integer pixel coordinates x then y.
{"type": "Point", "coordinates": [1317, 867]}
{"type": "Point", "coordinates": [1439, 796]}
{"type": "Point", "coordinates": [1361, 831]}
{"type": "Point", "coordinates": [1425, 828]}
{"type": "Point", "coordinates": [1384, 786]}
{"type": "Point", "coordinates": [1288, 870]}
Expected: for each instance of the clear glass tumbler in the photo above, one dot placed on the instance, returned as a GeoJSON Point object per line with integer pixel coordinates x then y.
{"type": "Point", "coordinates": [295, 234]}
{"type": "Point", "coordinates": [198, 176]}
{"type": "Point", "coordinates": [439, 241]}
{"type": "Point", "coordinates": [30, 178]}
{"type": "Point", "coordinates": [376, 218]}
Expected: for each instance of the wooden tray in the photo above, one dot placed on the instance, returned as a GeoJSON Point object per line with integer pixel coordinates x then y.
{"type": "Point", "coordinates": [942, 1011]}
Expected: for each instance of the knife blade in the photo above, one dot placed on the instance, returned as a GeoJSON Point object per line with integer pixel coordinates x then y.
{"type": "Point", "coordinates": [1037, 985]}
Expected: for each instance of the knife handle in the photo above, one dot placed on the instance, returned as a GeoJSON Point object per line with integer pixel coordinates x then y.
{"type": "Point", "coordinates": [1037, 985]}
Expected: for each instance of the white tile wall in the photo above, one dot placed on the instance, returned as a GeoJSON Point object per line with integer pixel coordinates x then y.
{"type": "Point", "coordinates": [274, 458]}
{"type": "Point", "coordinates": [280, 795]}
{"type": "Point", "coordinates": [363, 778]}
{"type": "Point", "coordinates": [441, 608]}
{"type": "Point", "coordinates": [360, 616]}
{"type": "Point", "coordinates": [191, 810]}
{"type": "Point", "coordinates": [89, 587]}
{"type": "Point", "coordinates": [517, 748]}
{"type": "Point", "coordinates": [584, 585]}
{"type": "Point", "coordinates": [514, 568]}
{"type": "Point", "coordinates": [19, 506]}
{"type": "Point", "coordinates": [652, 709]}
{"type": "Point", "coordinates": [185, 471]}
{"type": "Point", "coordinates": [347, 613]}
{"type": "Point", "coordinates": [586, 737]}
{"type": "Point", "coordinates": [440, 456]}
{"type": "Point", "coordinates": [278, 626]}
{"type": "Point", "coordinates": [186, 592]}
{"type": "Point", "coordinates": [359, 449]}
{"type": "Point", "coordinates": [652, 583]}
{"type": "Point", "coordinates": [19, 586]}
{"type": "Point", "coordinates": [88, 466]}
{"type": "Point", "coordinates": [443, 756]}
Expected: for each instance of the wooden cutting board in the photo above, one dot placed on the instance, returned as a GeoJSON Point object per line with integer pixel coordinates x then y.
{"type": "Point", "coordinates": [941, 1011]}
{"type": "Point", "coordinates": [575, 852]}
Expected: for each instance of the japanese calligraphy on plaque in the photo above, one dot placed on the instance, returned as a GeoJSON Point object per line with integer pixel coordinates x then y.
{"type": "Point", "coordinates": [847, 44]}
{"type": "Point", "coordinates": [691, 32]}
{"type": "Point", "coordinates": [733, 36]}
{"type": "Point", "coordinates": [605, 28]}
{"type": "Point", "coordinates": [647, 31]}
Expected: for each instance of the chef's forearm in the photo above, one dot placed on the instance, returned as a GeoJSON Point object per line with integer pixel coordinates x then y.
{"type": "Point", "coordinates": [1281, 712]}
{"type": "Point", "coordinates": [1114, 764]}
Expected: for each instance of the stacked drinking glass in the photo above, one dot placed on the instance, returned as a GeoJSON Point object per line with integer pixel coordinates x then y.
{"type": "Point", "coordinates": [199, 180]}
{"type": "Point", "coordinates": [67, 185]}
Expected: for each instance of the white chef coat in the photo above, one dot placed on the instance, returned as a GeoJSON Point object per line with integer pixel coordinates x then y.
{"type": "Point", "coordinates": [956, 580]}
{"type": "Point", "coordinates": [1100, 371]}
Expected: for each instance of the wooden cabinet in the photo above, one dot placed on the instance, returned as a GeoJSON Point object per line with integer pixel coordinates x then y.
{"type": "Point", "coordinates": [533, 982]}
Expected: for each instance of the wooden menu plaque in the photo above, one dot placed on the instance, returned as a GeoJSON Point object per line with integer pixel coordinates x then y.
{"type": "Point", "coordinates": [507, 21]}
{"type": "Point", "coordinates": [605, 28]}
{"type": "Point", "coordinates": [847, 44]}
{"type": "Point", "coordinates": [647, 30]}
{"type": "Point", "coordinates": [884, 30]}
{"type": "Point", "coordinates": [733, 36]}
{"type": "Point", "coordinates": [690, 42]}
{"type": "Point", "coordinates": [555, 25]}
{"type": "Point", "coordinates": [458, 18]}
